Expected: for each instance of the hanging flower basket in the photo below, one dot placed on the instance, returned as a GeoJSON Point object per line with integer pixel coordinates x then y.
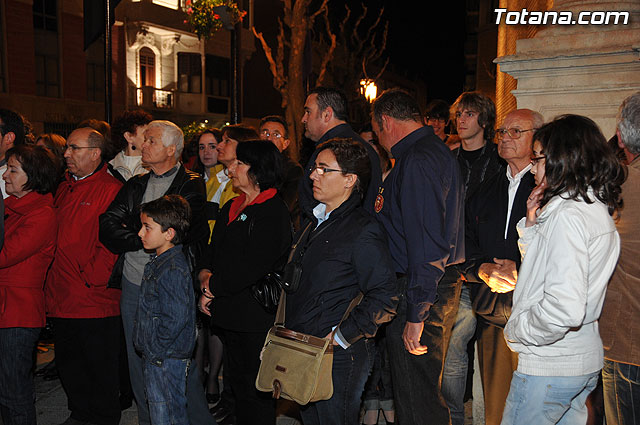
{"type": "Point", "coordinates": [206, 17]}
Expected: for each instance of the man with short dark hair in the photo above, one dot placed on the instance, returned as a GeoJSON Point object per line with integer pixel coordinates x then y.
{"type": "Point", "coordinates": [119, 227]}
{"type": "Point", "coordinates": [325, 117]}
{"type": "Point", "coordinates": [420, 205]}
{"type": "Point", "coordinates": [12, 132]}
{"type": "Point", "coordinates": [275, 129]}
{"type": "Point", "coordinates": [620, 319]}
{"type": "Point", "coordinates": [85, 311]}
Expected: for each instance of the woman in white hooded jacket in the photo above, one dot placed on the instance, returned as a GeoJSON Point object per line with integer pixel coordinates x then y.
{"type": "Point", "coordinates": [570, 247]}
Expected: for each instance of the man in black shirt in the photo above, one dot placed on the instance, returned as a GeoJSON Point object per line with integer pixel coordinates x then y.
{"type": "Point", "coordinates": [325, 115]}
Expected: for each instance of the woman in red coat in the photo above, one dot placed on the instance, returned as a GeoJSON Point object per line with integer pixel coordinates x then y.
{"type": "Point", "coordinates": [29, 245]}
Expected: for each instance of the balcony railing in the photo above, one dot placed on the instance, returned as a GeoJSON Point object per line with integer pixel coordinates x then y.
{"type": "Point", "coordinates": [150, 97]}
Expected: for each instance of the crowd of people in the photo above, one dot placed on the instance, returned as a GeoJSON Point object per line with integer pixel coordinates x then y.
{"type": "Point", "coordinates": [144, 251]}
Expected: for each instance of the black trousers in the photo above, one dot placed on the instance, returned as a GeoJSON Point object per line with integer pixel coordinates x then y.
{"type": "Point", "coordinates": [87, 354]}
{"type": "Point", "coordinates": [242, 351]}
{"type": "Point", "coordinates": [417, 380]}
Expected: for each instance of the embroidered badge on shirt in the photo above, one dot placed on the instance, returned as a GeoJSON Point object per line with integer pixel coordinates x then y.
{"type": "Point", "coordinates": [377, 206]}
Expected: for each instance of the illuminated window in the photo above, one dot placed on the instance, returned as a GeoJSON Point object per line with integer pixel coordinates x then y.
{"type": "Point", "coordinates": [173, 4]}
{"type": "Point", "coordinates": [189, 73]}
{"type": "Point", "coordinates": [147, 67]}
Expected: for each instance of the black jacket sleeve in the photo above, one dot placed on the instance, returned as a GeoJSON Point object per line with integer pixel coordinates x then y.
{"type": "Point", "coordinates": [119, 224]}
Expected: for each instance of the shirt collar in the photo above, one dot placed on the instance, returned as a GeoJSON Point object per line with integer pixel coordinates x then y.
{"type": "Point", "coordinates": [221, 176]}
{"type": "Point", "coordinates": [169, 173]}
{"type": "Point", "coordinates": [403, 145]}
{"type": "Point", "coordinates": [518, 176]}
{"type": "Point", "coordinates": [320, 213]}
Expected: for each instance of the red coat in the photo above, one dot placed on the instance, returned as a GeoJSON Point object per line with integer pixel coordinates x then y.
{"type": "Point", "coordinates": [77, 283]}
{"type": "Point", "coordinates": [29, 244]}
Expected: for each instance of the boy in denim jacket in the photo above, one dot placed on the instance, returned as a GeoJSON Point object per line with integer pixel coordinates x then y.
{"type": "Point", "coordinates": [164, 329]}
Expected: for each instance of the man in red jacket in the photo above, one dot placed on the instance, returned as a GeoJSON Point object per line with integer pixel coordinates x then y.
{"type": "Point", "coordinates": [86, 313]}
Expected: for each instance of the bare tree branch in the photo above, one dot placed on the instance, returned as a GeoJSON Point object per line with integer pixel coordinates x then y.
{"type": "Point", "coordinates": [329, 53]}
{"type": "Point", "coordinates": [277, 79]}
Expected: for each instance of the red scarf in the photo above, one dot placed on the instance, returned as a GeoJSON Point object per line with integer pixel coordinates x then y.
{"type": "Point", "coordinates": [236, 204]}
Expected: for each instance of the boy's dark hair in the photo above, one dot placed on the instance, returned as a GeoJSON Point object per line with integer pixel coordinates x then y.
{"type": "Point", "coordinates": [397, 104]}
{"type": "Point", "coordinates": [170, 211]}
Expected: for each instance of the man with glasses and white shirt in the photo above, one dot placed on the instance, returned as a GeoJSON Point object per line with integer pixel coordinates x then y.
{"type": "Point", "coordinates": [492, 255]}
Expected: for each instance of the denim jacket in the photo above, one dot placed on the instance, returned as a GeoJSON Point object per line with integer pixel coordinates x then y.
{"type": "Point", "coordinates": [165, 320]}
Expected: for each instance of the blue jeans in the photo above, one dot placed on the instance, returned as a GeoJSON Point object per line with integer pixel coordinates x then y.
{"type": "Point", "coordinates": [166, 389]}
{"type": "Point", "coordinates": [454, 377]}
{"type": "Point", "coordinates": [543, 400]}
{"type": "Point", "coordinates": [621, 385]}
{"type": "Point", "coordinates": [197, 407]}
{"type": "Point", "coordinates": [16, 380]}
{"type": "Point", "coordinates": [350, 370]}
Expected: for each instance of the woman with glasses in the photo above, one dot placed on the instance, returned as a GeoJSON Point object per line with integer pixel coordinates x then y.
{"type": "Point", "coordinates": [570, 247]}
{"type": "Point", "coordinates": [251, 236]}
{"type": "Point", "coordinates": [342, 252]}
{"type": "Point", "coordinates": [29, 244]}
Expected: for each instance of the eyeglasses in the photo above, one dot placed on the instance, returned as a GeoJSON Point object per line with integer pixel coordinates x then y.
{"type": "Point", "coordinates": [266, 133]}
{"type": "Point", "coordinates": [536, 159]}
{"type": "Point", "coordinates": [514, 133]}
{"type": "Point", "coordinates": [322, 170]}
{"type": "Point", "coordinates": [75, 148]}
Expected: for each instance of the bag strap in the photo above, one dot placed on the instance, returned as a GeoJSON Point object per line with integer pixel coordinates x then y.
{"type": "Point", "coordinates": [283, 297]}
{"type": "Point", "coordinates": [354, 303]}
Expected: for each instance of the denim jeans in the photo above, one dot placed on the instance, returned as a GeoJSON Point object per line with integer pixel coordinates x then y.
{"type": "Point", "coordinates": [546, 400]}
{"type": "Point", "coordinates": [197, 407]}
{"type": "Point", "coordinates": [378, 391]}
{"type": "Point", "coordinates": [417, 380]}
{"type": "Point", "coordinates": [621, 385]}
{"type": "Point", "coordinates": [350, 370]}
{"type": "Point", "coordinates": [166, 390]}
{"type": "Point", "coordinates": [16, 380]}
{"type": "Point", "coordinates": [454, 377]}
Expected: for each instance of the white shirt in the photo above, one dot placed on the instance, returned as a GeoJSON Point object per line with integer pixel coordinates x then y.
{"type": "Point", "coordinates": [223, 179]}
{"type": "Point", "coordinates": [514, 183]}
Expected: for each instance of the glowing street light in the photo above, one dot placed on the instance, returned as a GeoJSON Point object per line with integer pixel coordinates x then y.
{"type": "Point", "coordinates": [369, 89]}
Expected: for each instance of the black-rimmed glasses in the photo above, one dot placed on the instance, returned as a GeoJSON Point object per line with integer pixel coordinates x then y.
{"type": "Point", "coordinates": [536, 159]}
{"type": "Point", "coordinates": [322, 170]}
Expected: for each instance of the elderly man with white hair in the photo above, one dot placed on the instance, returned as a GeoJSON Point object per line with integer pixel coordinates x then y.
{"type": "Point", "coordinates": [119, 226]}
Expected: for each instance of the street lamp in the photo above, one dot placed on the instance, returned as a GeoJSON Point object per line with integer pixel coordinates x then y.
{"type": "Point", "coordinates": [368, 89]}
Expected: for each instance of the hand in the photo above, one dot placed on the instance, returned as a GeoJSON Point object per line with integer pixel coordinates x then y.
{"type": "Point", "coordinates": [411, 337]}
{"type": "Point", "coordinates": [204, 303]}
{"type": "Point", "coordinates": [533, 204]}
{"type": "Point", "coordinates": [203, 277]}
{"type": "Point", "coordinates": [500, 276]}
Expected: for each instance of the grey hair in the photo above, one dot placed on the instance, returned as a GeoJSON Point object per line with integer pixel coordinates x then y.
{"type": "Point", "coordinates": [629, 123]}
{"type": "Point", "coordinates": [171, 135]}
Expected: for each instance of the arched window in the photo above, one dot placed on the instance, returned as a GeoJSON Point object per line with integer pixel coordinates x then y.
{"type": "Point", "coordinates": [147, 67]}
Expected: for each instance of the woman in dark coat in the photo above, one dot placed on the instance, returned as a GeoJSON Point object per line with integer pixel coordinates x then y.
{"type": "Point", "coordinates": [29, 245]}
{"type": "Point", "coordinates": [252, 234]}
{"type": "Point", "coordinates": [342, 252]}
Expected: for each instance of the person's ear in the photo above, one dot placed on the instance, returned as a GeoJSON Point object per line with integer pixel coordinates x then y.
{"type": "Point", "coordinates": [285, 144]}
{"type": "Point", "coordinates": [620, 142]}
{"type": "Point", "coordinates": [171, 150]}
{"type": "Point", "coordinates": [128, 136]}
{"type": "Point", "coordinates": [169, 234]}
{"type": "Point", "coordinates": [351, 180]}
{"type": "Point", "coordinates": [327, 114]}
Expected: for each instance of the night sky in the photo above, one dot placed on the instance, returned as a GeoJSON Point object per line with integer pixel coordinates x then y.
{"type": "Point", "coordinates": [426, 40]}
